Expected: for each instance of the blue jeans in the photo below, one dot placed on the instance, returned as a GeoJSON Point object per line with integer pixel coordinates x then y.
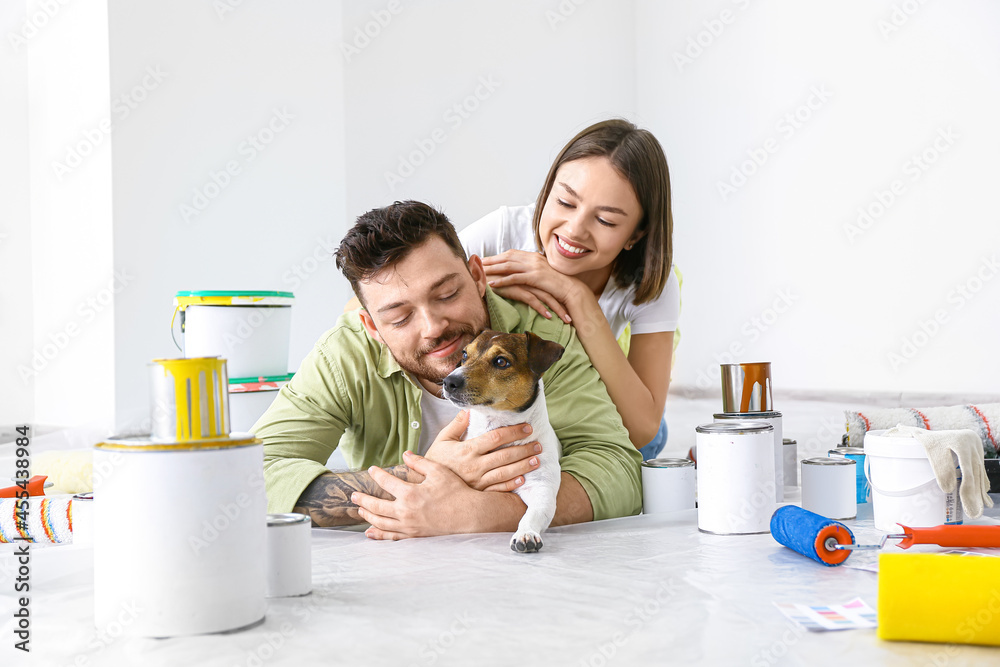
{"type": "Point", "coordinates": [656, 445]}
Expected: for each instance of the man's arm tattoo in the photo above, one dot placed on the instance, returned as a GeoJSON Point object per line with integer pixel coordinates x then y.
{"type": "Point", "coordinates": [327, 499]}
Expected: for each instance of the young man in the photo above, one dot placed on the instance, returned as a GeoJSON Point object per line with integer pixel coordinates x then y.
{"type": "Point", "coordinates": [372, 384]}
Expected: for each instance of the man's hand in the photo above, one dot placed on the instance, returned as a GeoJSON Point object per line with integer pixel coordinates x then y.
{"type": "Point", "coordinates": [327, 499]}
{"type": "Point", "coordinates": [442, 504]}
{"type": "Point", "coordinates": [421, 512]}
{"type": "Point", "coordinates": [475, 460]}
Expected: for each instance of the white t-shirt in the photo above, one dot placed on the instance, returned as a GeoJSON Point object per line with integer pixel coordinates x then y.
{"type": "Point", "coordinates": [435, 414]}
{"type": "Point", "coordinates": [509, 228]}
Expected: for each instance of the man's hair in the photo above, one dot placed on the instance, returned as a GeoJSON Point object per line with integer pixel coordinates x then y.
{"type": "Point", "coordinates": [384, 236]}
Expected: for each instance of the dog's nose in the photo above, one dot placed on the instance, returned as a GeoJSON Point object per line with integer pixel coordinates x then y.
{"type": "Point", "coordinates": [454, 382]}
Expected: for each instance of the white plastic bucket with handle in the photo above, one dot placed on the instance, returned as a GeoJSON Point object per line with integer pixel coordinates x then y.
{"type": "Point", "coordinates": [903, 486]}
{"type": "Point", "coordinates": [251, 330]}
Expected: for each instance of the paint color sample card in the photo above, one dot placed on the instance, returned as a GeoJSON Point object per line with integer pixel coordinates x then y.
{"type": "Point", "coordinates": [818, 618]}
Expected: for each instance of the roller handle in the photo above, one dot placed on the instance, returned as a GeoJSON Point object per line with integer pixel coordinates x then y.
{"type": "Point", "coordinates": [952, 536]}
{"type": "Point", "coordinates": [35, 487]}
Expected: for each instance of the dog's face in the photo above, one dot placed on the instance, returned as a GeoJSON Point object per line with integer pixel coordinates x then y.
{"type": "Point", "coordinates": [501, 371]}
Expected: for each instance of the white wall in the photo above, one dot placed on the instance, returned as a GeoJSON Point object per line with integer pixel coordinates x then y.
{"type": "Point", "coordinates": [62, 344]}
{"type": "Point", "coordinates": [362, 103]}
{"type": "Point", "coordinates": [551, 72]}
{"type": "Point", "coordinates": [893, 84]}
{"type": "Point", "coordinates": [269, 70]}
{"type": "Point", "coordinates": [16, 304]}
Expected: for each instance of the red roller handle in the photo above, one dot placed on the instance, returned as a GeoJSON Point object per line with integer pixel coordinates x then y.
{"type": "Point", "coordinates": [952, 536]}
{"type": "Point", "coordinates": [36, 487]}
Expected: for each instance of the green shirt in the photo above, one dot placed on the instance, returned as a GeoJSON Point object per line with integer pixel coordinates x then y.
{"type": "Point", "coordinates": [349, 390]}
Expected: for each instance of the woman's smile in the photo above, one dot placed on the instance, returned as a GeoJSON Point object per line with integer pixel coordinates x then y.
{"type": "Point", "coordinates": [568, 248]}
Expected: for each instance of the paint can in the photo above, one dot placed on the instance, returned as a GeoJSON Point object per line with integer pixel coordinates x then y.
{"type": "Point", "coordinates": [251, 329]}
{"type": "Point", "coordinates": [903, 485]}
{"type": "Point", "coordinates": [82, 511]}
{"type": "Point", "coordinates": [856, 454]}
{"type": "Point", "coordinates": [289, 555]}
{"type": "Point", "coordinates": [735, 477]}
{"type": "Point", "coordinates": [774, 419]}
{"type": "Point", "coordinates": [189, 399]}
{"type": "Point", "coordinates": [790, 461]}
{"type": "Point", "coordinates": [249, 398]}
{"type": "Point", "coordinates": [747, 387]}
{"type": "Point", "coordinates": [179, 535]}
{"type": "Point", "coordinates": [828, 487]}
{"type": "Point", "coordinates": [668, 485]}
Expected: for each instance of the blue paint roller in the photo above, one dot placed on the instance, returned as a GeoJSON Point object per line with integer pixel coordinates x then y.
{"type": "Point", "coordinates": [830, 542]}
{"type": "Point", "coordinates": [811, 535]}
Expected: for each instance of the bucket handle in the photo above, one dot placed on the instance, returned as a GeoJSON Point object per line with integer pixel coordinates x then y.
{"type": "Point", "coordinates": [172, 336]}
{"type": "Point", "coordinates": [896, 494]}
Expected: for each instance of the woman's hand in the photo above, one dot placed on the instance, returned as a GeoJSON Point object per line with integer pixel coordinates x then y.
{"type": "Point", "coordinates": [527, 277]}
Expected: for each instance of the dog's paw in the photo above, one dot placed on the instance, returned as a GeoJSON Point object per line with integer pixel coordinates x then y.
{"type": "Point", "coordinates": [527, 541]}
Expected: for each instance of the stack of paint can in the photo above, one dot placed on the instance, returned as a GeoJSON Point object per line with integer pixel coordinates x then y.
{"type": "Point", "coordinates": [746, 395]}
{"type": "Point", "coordinates": [740, 455]}
{"type": "Point", "coordinates": [252, 330]}
{"type": "Point", "coordinates": [179, 515]}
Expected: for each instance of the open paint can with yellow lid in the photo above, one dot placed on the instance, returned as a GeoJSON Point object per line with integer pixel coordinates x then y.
{"type": "Point", "coordinates": [189, 399]}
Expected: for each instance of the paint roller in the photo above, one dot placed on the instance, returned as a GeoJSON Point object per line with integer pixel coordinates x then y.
{"type": "Point", "coordinates": [830, 542]}
{"type": "Point", "coordinates": [40, 520]}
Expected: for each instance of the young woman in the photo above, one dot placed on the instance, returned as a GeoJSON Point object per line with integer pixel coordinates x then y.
{"type": "Point", "coordinates": [596, 249]}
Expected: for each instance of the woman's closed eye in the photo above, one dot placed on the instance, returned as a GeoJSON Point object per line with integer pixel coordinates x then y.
{"type": "Point", "coordinates": [606, 223]}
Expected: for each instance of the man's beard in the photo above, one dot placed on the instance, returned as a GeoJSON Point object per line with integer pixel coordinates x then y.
{"type": "Point", "coordinates": [436, 371]}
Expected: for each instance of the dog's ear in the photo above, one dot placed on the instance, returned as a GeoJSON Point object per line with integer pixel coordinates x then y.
{"type": "Point", "coordinates": [542, 353]}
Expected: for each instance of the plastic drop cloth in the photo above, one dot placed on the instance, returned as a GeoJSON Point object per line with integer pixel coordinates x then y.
{"type": "Point", "coordinates": [631, 591]}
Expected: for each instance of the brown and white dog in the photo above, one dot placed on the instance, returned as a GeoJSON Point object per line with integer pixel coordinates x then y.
{"type": "Point", "coordinates": [500, 382]}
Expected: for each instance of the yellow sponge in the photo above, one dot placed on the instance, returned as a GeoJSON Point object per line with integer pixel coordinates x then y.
{"type": "Point", "coordinates": [939, 598]}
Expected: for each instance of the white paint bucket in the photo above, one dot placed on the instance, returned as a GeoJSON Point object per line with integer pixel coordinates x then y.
{"type": "Point", "coordinates": [179, 536]}
{"type": "Point", "coordinates": [249, 398]}
{"type": "Point", "coordinates": [735, 477]}
{"type": "Point", "coordinates": [668, 485]}
{"type": "Point", "coordinates": [251, 330]}
{"type": "Point", "coordinates": [289, 555]}
{"type": "Point", "coordinates": [904, 489]}
{"type": "Point", "coordinates": [774, 419]}
{"type": "Point", "coordinates": [829, 487]}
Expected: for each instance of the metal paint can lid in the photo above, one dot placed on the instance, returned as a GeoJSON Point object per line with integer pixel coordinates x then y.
{"type": "Point", "coordinates": [746, 415]}
{"type": "Point", "coordinates": [844, 451]}
{"type": "Point", "coordinates": [788, 441]}
{"type": "Point", "coordinates": [145, 443]}
{"type": "Point", "coordinates": [735, 427]}
{"type": "Point", "coordinates": [290, 519]}
{"type": "Point", "coordinates": [828, 461]}
{"type": "Point", "coordinates": [667, 463]}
